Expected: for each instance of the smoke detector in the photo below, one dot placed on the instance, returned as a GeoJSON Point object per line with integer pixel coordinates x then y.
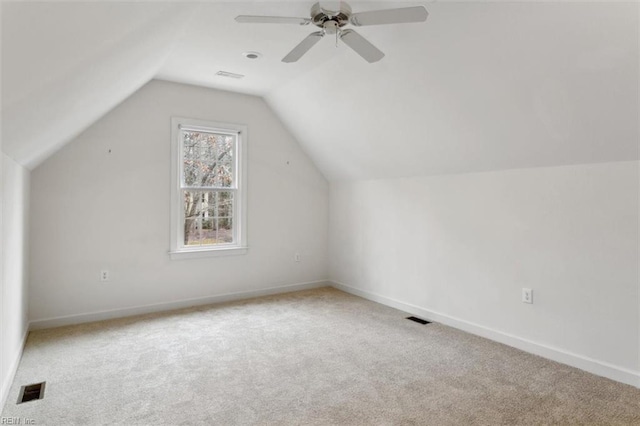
{"type": "Point", "coordinates": [252, 55]}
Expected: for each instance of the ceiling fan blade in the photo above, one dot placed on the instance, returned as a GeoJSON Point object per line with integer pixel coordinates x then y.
{"type": "Point", "coordinates": [303, 47]}
{"type": "Point", "coordinates": [390, 16]}
{"type": "Point", "coordinates": [248, 19]}
{"type": "Point", "coordinates": [362, 47]}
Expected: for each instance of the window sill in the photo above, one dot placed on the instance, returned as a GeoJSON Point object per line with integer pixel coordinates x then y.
{"type": "Point", "coordinates": [210, 252]}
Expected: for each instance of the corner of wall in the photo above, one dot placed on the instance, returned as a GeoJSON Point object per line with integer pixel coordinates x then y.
{"type": "Point", "coordinates": [14, 217]}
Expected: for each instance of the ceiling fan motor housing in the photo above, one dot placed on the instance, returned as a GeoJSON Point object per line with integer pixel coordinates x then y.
{"type": "Point", "coordinates": [330, 20]}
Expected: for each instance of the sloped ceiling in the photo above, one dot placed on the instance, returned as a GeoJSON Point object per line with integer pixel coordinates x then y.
{"type": "Point", "coordinates": [65, 65]}
{"type": "Point", "coordinates": [479, 86]}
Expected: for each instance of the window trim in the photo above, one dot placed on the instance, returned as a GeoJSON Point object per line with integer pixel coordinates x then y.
{"type": "Point", "coordinates": [177, 251]}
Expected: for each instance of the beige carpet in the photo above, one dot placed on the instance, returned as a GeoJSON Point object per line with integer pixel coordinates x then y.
{"type": "Point", "coordinates": [313, 357]}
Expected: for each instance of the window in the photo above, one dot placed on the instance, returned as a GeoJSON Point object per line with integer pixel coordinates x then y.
{"type": "Point", "coordinates": [208, 188]}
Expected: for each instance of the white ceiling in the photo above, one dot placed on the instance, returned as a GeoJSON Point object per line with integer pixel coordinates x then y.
{"type": "Point", "coordinates": [479, 86]}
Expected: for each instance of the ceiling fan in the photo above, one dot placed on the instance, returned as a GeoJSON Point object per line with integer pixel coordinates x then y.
{"type": "Point", "coordinates": [332, 22]}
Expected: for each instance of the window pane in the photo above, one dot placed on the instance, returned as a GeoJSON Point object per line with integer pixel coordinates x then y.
{"type": "Point", "coordinates": [224, 204]}
{"type": "Point", "coordinates": [208, 217]}
{"type": "Point", "coordinates": [224, 148]}
{"type": "Point", "coordinates": [225, 230]}
{"type": "Point", "coordinates": [207, 159]}
{"type": "Point", "coordinates": [192, 225]}
{"type": "Point", "coordinates": [191, 232]}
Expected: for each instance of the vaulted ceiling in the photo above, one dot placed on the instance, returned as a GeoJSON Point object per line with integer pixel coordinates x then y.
{"type": "Point", "coordinates": [479, 86]}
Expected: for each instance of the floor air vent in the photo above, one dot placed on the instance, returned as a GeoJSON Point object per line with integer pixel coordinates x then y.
{"type": "Point", "coordinates": [31, 392]}
{"type": "Point", "coordinates": [419, 320]}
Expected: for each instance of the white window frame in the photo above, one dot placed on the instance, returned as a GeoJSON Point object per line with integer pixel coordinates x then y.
{"type": "Point", "coordinates": [178, 249]}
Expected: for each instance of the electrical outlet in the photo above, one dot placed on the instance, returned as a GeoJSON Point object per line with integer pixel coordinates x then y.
{"type": "Point", "coordinates": [527, 295]}
{"type": "Point", "coordinates": [104, 275]}
{"type": "Point", "coordinates": [296, 257]}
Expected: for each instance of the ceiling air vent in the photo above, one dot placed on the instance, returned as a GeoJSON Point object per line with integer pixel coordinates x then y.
{"type": "Point", "coordinates": [229, 74]}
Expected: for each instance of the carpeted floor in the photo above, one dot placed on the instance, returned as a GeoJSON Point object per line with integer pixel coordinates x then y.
{"type": "Point", "coordinates": [314, 357]}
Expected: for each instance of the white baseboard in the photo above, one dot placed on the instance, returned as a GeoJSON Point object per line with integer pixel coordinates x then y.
{"type": "Point", "coordinates": [169, 306]}
{"type": "Point", "coordinates": [6, 385]}
{"type": "Point", "coordinates": [599, 368]}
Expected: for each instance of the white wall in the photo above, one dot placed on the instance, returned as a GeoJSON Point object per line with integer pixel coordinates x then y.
{"type": "Point", "coordinates": [13, 304]}
{"type": "Point", "coordinates": [102, 202]}
{"type": "Point", "coordinates": [462, 246]}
